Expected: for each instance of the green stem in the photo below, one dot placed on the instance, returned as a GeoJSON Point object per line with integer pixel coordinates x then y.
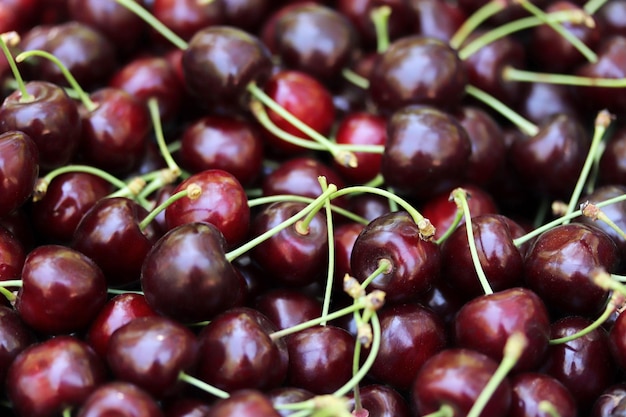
{"type": "Point", "coordinates": [235, 253]}
{"type": "Point", "coordinates": [331, 252]}
{"type": "Point", "coordinates": [67, 412]}
{"type": "Point", "coordinates": [355, 78]}
{"type": "Point", "coordinates": [7, 294]}
{"type": "Point", "coordinates": [116, 291]}
{"type": "Point", "coordinates": [592, 6]}
{"type": "Point", "coordinates": [455, 223]}
{"type": "Point", "coordinates": [380, 18]}
{"type": "Point", "coordinates": [524, 125]}
{"type": "Point", "coordinates": [470, 24]}
{"type": "Point", "coordinates": [445, 410]}
{"type": "Point", "coordinates": [203, 385]}
{"type": "Point", "coordinates": [11, 283]}
{"type": "Point", "coordinates": [155, 115]}
{"type": "Point", "coordinates": [512, 74]}
{"type": "Point", "coordinates": [548, 408]}
{"type": "Point", "coordinates": [384, 267]}
{"type": "Point", "coordinates": [84, 97]}
{"type": "Point", "coordinates": [147, 17]}
{"type": "Point", "coordinates": [13, 38]}
{"type": "Point", "coordinates": [193, 191]}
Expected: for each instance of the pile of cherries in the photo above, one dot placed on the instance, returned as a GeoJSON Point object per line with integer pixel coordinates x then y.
{"type": "Point", "coordinates": [313, 208]}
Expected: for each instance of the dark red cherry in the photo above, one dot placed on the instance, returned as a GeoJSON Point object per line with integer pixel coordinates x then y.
{"type": "Point", "coordinates": [414, 262]}
{"type": "Point", "coordinates": [18, 222]}
{"type": "Point", "coordinates": [109, 234]}
{"type": "Point", "coordinates": [456, 377]}
{"type": "Point", "coordinates": [64, 370]}
{"type": "Point", "coordinates": [500, 259]}
{"type": "Point", "coordinates": [236, 352]}
{"type": "Point", "coordinates": [288, 395]}
{"type": "Point", "coordinates": [244, 403]}
{"type": "Point", "coordinates": [247, 14]}
{"type": "Point", "coordinates": [410, 335]}
{"type": "Point", "coordinates": [584, 365]}
{"type": "Point", "coordinates": [417, 70]}
{"type": "Point", "coordinates": [68, 197]}
{"type": "Point", "coordinates": [542, 101]}
{"type": "Point", "coordinates": [62, 290]}
{"type": "Point", "coordinates": [335, 41]}
{"type": "Point", "coordinates": [223, 203]}
{"type": "Point", "coordinates": [558, 264]}
{"type": "Point", "coordinates": [551, 161]}
{"type": "Point", "coordinates": [290, 256]}
{"type": "Point", "coordinates": [485, 324]}
{"type": "Point", "coordinates": [231, 144]}
{"type": "Point", "coordinates": [369, 206]}
{"type": "Point", "coordinates": [305, 98]}
{"type": "Point", "coordinates": [119, 398]}
{"type": "Point", "coordinates": [19, 168]}
{"type": "Point", "coordinates": [14, 338]}
{"type": "Point", "coordinates": [12, 255]}
{"type": "Point", "coordinates": [186, 275]}
{"type": "Point", "coordinates": [611, 403]}
{"type": "Point", "coordinates": [186, 407]}
{"type": "Point", "coordinates": [187, 17]}
{"type": "Point", "coordinates": [151, 352]}
{"type": "Point", "coordinates": [117, 312]}
{"type": "Point", "coordinates": [344, 237]}
{"type": "Point", "coordinates": [531, 388]}
{"type": "Point", "coordinates": [437, 19]}
{"type": "Point", "coordinates": [612, 165]}
{"type": "Point", "coordinates": [221, 61]}
{"type": "Point", "coordinates": [17, 15]}
{"type": "Point", "coordinates": [49, 117]}
{"type": "Point", "coordinates": [445, 302]}
{"type": "Point", "coordinates": [610, 19]}
{"type": "Point", "coordinates": [320, 358]}
{"type": "Point", "coordinates": [426, 149]}
{"type": "Point", "coordinates": [617, 338]}
{"type": "Point", "coordinates": [381, 401]}
{"type": "Point", "coordinates": [287, 307]}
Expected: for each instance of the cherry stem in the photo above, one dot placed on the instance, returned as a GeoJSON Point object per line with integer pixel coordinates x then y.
{"type": "Point", "coordinates": [593, 6]}
{"type": "Point", "coordinates": [12, 38]}
{"type": "Point", "coordinates": [557, 27]}
{"type": "Point", "coordinates": [593, 212]}
{"type": "Point", "coordinates": [616, 301]}
{"type": "Point", "coordinates": [477, 18]}
{"type": "Point", "coordinates": [8, 294]}
{"type": "Point", "coordinates": [147, 17]}
{"type": "Point", "coordinates": [183, 376]}
{"type": "Point", "coordinates": [445, 410]}
{"type": "Point", "coordinates": [455, 223]}
{"type": "Point", "coordinates": [67, 412]}
{"type": "Point", "coordinates": [574, 16]}
{"type": "Point", "coordinates": [603, 120]}
{"type": "Point", "coordinates": [153, 107]}
{"type": "Point", "coordinates": [515, 345]}
{"type": "Point", "coordinates": [549, 408]}
{"type": "Point", "coordinates": [425, 226]}
{"type": "Point", "coordinates": [380, 17]}
{"type": "Point", "coordinates": [539, 230]}
{"type": "Point", "coordinates": [602, 279]}
{"type": "Point", "coordinates": [235, 253]}
{"type": "Point", "coordinates": [523, 124]}
{"type": "Point", "coordinates": [193, 191]}
{"type": "Point", "coordinates": [355, 78]}
{"type": "Point", "coordinates": [83, 96]}
{"type": "Point", "coordinates": [11, 283]}
{"type": "Point", "coordinates": [459, 195]}
{"type": "Point", "coordinates": [385, 266]}
{"type": "Point", "coordinates": [512, 74]}
{"type": "Point", "coordinates": [331, 251]}
{"type": "Point", "coordinates": [117, 291]}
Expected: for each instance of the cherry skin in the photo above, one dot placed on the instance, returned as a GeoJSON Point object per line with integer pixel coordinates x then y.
{"type": "Point", "coordinates": [612, 165]}
{"type": "Point", "coordinates": [244, 403]}
{"type": "Point", "coordinates": [320, 358]}
{"type": "Point", "coordinates": [426, 149]}
{"type": "Point", "coordinates": [617, 337]}
{"type": "Point", "coordinates": [17, 15]}
{"type": "Point", "coordinates": [344, 237]}
{"type": "Point", "coordinates": [612, 402]}
{"type": "Point", "coordinates": [485, 324]}
{"type": "Point", "coordinates": [14, 338]}
{"type": "Point", "coordinates": [105, 400]}
{"type": "Point", "coordinates": [62, 290]}
{"type": "Point", "coordinates": [151, 352]}
{"type": "Point", "coordinates": [248, 359]}
{"type": "Point", "coordinates": [68, 197]}
{"type": "Point", "coordinates": [288, 395]}
{"type": "Point", "coordinates": [410, 335]}
{"type": "Point", "coordinates": [417, 70]}
{"type": "Point", "coordinates": [186, 276]}
{"type": "Point", "coordinates": [19, 169]}
{"type": "Point", "coordinates": [117, 312]}
{"type": "Point", "coordinates": [65, 371]}
{"type": "Point", "coordinates": [369, 206]}
{"type": "Point", "coordinates": [414, 262]}
{"type": "Point", "coordinates": [12, 255]}
{"type": "Point", "coordinates": [223, 203]}
{"type": "Point", "coordinates": [247, 14]}
{"type": "Point", "coordinates": [381, 401]}
{"type": "Point", "coordinates": [187, 17]}
{"type": "Point", "coordinates": [186, 407]}
{"type": "Point", "coordinates": [437, 19]}
{"type": "Point", "coordinates": [286, 307]}
{"type": "Point", "coordinates": [531, 388]}
{"type": "Point", "coordinates": [558, 264]}
{"type": "Point", "coordinates": [291, 256]}
{"type": "Point", "coordinates": [456, 377]}
{"type": "Point", "coordinates": [49, 117]}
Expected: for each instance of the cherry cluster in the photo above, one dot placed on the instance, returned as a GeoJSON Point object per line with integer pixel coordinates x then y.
{"type": "Point", "coordinates": [341, 208]}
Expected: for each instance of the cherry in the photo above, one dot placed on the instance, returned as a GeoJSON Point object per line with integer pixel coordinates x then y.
{"type": "Point", "coordinates": [435, 19]}
{"type": "Point", "coordinates": [558, 264]}
{"type": "Point", "coordinates": [187, 17]}
{"type": "Point", "coordinates": [117, 312]}
{"type": "Point", "coordinates": [17, 15]}
{"type": "Point", "coordinates": [381, 401]}
{"type": "Point", "coordinates": [65, 371]}
{"type": "Point", "coordinates": [368, 206]}
{"type": "Point", "coordinates": [320, 358]}
{"type": "Point", "coordinates": [236, 352]}
{"type": "Point", "coordinates": [18, 169]}
{"type": "Point", "coordinates": [105, 400]}
{"type": "Point", "coordinates": [455, 378]}
{"type": "Point", "coordinates": [426, 149]}
{"type": "Point", "coordinates": [531, 389]}
{"type": "Point", "coordinates": [247, 14]}
{"type": "Point", "coordinates": [49, 117]}
{"type": "Point", "coordinates": [244, 403]}
{"type": "Point", "coordinates": [186, 275]}
{"type": "Point", "coordinates": [287, 395]}
{"type": "Point", "coordinates": [542, 101]}
{"type": "Point", "coordinates": [344, 237]}
{"type": "Point", "coordinates": [584, 365]}
{"type": "Point", "coordinates": [609, 19]}
{"type": "Point", "coordinates": [286, 307]}
{"type": "Point", "coordinates": [186, 407]}
{"type": "Point", "coordinates": [617, 337]}
{"type": "Point", "coordinates": [331, 52]}
{"type": "Point", "coordinates": [14, 338]}
{"type": "Point", "coordinates": [12, 255]}
{"type": "Point", "coordinates": [417, 70]}
{"type": "Point", "coordinates": [485, 323]}
{"type": "Point", "coordinates": [151, 352]}
{"type": "Point", "coordinates": [611, 402]}
{"type": "Point", "coordinates": [19, 224]}
{"type": "Point", "coordinates": [612, 165]}
{"type": "Point", "coordinates": [445, 302]}
{"type": "Point", "coordinates": [413, 263]}
{"type": "Point", "coordinates": [293, 256]}
{"type": "Point", "coordinates": [410, 335]}
{"type": "Point", "coordinates": [62, 290]}
{"type": "Point", "coordinates": [231, 144]}
{"type": "Point", "coordinates": [110, 234]}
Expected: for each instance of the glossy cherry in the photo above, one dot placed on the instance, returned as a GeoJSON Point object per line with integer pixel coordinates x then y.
{"type": "Point", "coordinates": [19, 169]}
{"type": "Point", "coordinates": [14, 338]}
{"type": "Point", "coordinates": [187, 17]}
{"type": "Point", "coordinates": [244, 403]}
{"type": "Point", "coordinates": [531, 388]}
{"type": "Point", "coordinates": [287, 307]}
{"type": "Point", "coordinates": [105, 400]}
{"type": "Point", "coordinates": [612, 402]}
{"type": "Point", "coordinates": [437, 19]}
{"type": "Point", "coordinates": [344, 237]}
{"type": "Point", "coordinates": [381, 401]}
{"type": "Point", "coordinates": [612, 165]}
{"type": "Point", "coordinates": [12, 255]}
